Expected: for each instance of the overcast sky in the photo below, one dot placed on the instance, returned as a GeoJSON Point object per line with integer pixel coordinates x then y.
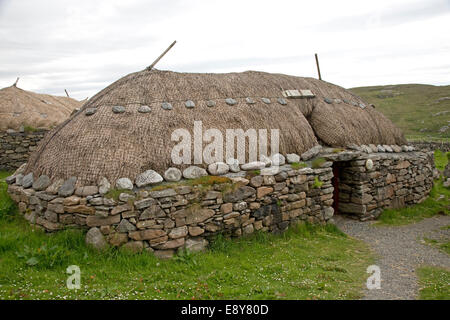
{"type": "Point", "coordinates": [84, 46]}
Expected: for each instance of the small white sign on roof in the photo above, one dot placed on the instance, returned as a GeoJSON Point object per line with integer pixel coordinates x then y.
{"type": "Point", "coordinates": [296, 94]}
{"type": "Point", "coordinates": [307, 93]}
{"type": "Point", "coordinates": [292, 94]}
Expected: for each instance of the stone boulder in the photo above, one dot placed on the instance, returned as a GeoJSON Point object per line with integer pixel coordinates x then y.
{"type": "Point", "coordinates": [194, 172]}
{"type": "Point", "coordinates": [95, 238]}
{"type": "Point", "coordinates": [173, 175]}
{"type": "Point", "coordinates": [447, 183]}
{"type": "Point", "coordinates": [271, 171]}
{"type": "Point", "coordinates": [54, 187]}
{"type": "Point", "coordinates": [124, 183]}
{"type": "Point", "coordinates": [133, 246]}
{"type": "Point", "coordinates": [266, 160]}
{"type": "Point", "coordinates": [447, 171]}
{"type": "Point", "coordinates": [255, 165]}
{"type": "Point", "coordinates": [144, 109]}
{"type": "Point", "coordinates": [19, 178]}
{"type": "Point", "coordinates": [218, 168]}
{"type": "Point", "coordinates": [292, 158]}
{"type": "Point", "coordinates": [311, 153]}
{"type": "Point", "coordinates": [233, 165]}
{"type": "Point", "coordinates": [103, 186]}
{"type": "Point", "coordinates": [239, 194]}
{"type": "Point", "coordinates": [27, 180]}
{"type": "Point", "coordinates": [10, 179]}
{"type": "Point", "coordinates": [148, 177]}
{"type": "Point", "coordinates": [278, 159]}
{"type": "Point", "coordinates": [125, 226]}
{"type": "Point", "coordinates": [68, 187]}
{"type": "Point", "coordinates": [41, 183]}
{"type": "Point", "coordinates": [196, 244]}
{"type": "Point", "coordinates": [118, 109]}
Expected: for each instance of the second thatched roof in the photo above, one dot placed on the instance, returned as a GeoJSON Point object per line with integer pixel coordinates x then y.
{"type": "Point", "coordinates": [25, 108]}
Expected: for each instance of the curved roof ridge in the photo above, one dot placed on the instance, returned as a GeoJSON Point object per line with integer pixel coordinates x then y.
{"type": "Point", "coordinates": [20, 107]}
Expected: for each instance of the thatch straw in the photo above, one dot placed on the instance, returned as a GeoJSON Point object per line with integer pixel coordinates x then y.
{"type": "Point", "coordinates": [24, 108]}
{"type": "Point", "coordinates": [124, 145]}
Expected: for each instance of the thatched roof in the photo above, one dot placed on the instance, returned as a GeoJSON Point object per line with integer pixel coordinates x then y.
{"type": "Point", "coordinates": [25, 108]}
{"type": "Point", "coordinates": [124, 145]}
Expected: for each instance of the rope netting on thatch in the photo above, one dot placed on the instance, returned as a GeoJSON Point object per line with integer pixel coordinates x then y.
{"type": "Point", "coordinates": [25, 108]}
{"type": "Point", "coordinates": [126, 144]}
{"type": "Point", "coordinates": [342, 124]}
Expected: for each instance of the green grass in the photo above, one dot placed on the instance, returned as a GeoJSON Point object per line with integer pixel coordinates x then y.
{"type": "Point", "coordinates": [442, 245]}
{"type": "Point", "coordinates": [203, 181]}
{"type": "Point", "coordinates": [30, 129]}
{"type": "Point", "coordinates": [115, 193]}
{"type": "Point", "coordinates": [434, 283]}
{"type": "Point", "coordinates": [317, 184]}
{"type": "Point", "coordinates": [307, 262]}
{"type": "Point", "coordinates": [7, 206]}
{"type": "Point", "coordinates": [413, 108]}
{"type": "Point", "coordinates": [298, 165]}
{"type": "Point", "coordinates": [317, 163]}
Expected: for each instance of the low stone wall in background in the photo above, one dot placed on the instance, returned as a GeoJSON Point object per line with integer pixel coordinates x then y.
{"type": "Point", "coordinates": [16, 147]}
{"type": "Point", "coordinates": [431, 146]}
{"type": "Point", "coordinates": [393, 181]}
{"type": "Point", "coordinates": [166, 218]}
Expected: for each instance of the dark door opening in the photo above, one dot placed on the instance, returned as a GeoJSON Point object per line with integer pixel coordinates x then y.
{"type": "Point", "coordinates": [335, 182]}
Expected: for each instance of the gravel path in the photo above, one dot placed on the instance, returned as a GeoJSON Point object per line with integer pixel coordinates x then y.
{"type": "Point", "coordinates": [399, 251]}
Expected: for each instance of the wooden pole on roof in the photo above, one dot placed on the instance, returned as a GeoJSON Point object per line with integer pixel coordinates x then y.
{"type": "Point", "coordinates": [15, 83]}
{"type": "Point", "coordinates": [318, 68]}
{"type": "Point", "coordinates": [67, 94]}
{"type": "Point", "coordinates": [162, 55]}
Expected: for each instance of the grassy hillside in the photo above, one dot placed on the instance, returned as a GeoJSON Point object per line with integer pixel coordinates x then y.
{"type": "Point", "coordinates": [421, 111]}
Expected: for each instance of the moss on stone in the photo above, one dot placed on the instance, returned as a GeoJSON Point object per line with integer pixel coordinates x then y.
{"type": "Point", "coordinates": [251, 174]}
{"type": "Point", "coordinates": [30, 129]}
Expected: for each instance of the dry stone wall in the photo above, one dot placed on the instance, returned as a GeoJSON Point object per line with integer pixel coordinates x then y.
{"type": "Point", "coordinates": [431, 145]}
{"type": "Point", "coordinates": [185, 215]}
{"type": "Point", "coordinates": [163, 215]}
{"type": "Point", "coordinates": [373, 182]}
{"type": "Point", "coordinates": [16, 147]}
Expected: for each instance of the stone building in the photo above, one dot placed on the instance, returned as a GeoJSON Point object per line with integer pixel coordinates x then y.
{"type": "Point", "coordinates": [110, 167]}
{"type": "Point", "coordinates": [25, 117]}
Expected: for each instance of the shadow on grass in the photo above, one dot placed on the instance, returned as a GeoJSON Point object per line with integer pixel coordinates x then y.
{"type": "Point", "coordinates": [433, 283]}
{"type": "Point", "coordinates": [438, 202]}
{"type": "Point", "coordinates": [306, 262]}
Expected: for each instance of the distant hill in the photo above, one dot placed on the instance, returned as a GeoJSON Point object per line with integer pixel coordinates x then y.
{"type": "Point", "coordinates": [421, 111]}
